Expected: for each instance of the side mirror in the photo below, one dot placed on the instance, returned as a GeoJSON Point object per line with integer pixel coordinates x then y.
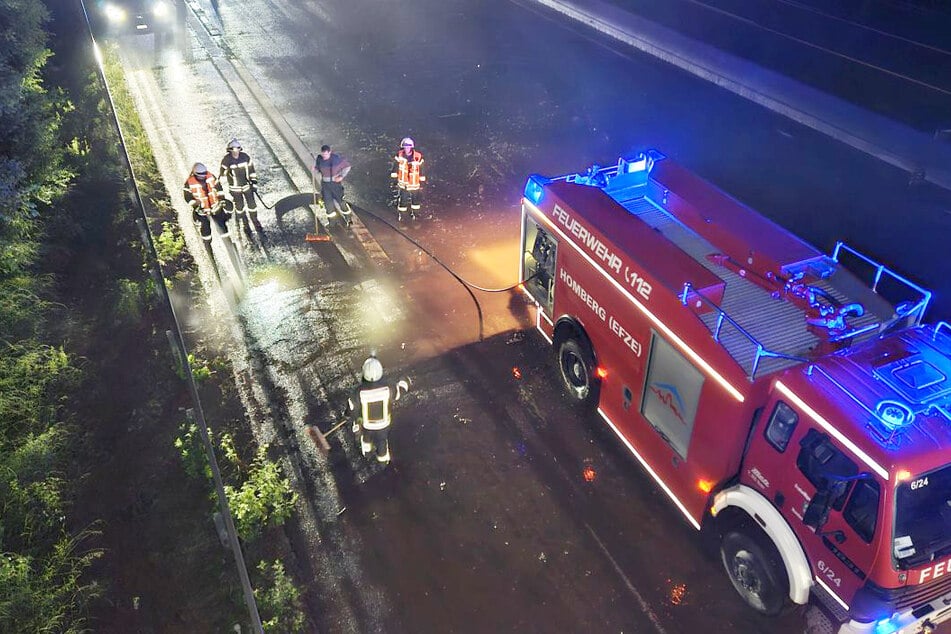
{"type": "Point", "coordinates": [817, 511]}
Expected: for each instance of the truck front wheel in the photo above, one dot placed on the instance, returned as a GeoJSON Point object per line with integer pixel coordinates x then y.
{"type": "Point", "coordinates": [755, 570]}
{"type": "Point", "coordinates": [576, 363]}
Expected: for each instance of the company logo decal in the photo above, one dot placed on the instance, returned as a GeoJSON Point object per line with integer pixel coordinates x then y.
{"type": "Point", "coordinates": [669, 396]}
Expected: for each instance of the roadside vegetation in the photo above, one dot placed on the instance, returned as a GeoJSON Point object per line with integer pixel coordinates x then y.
{"type": "Point", "coordinates": [42, 561]}
{"type": "Point", "coordinates": [93, 499]}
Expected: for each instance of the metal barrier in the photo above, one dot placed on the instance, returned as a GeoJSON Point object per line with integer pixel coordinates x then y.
{"type": "Point", "coordinates": [180, 347]}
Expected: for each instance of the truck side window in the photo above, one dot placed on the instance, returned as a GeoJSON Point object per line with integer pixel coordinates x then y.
{"type": "Point", "coordinates": [781, 426]}
{"type": "Point", "coordinates": [862, 509]}
{"type": "Point", "coordinates": [825, 466]}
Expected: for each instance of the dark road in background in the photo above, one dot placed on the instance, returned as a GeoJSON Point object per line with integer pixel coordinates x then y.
{"type": "Point", "coordinates": [890, 56]}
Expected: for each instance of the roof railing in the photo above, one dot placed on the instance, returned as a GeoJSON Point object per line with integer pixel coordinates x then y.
{"type": "Point", "coordinates": [939, 326]}
{"type": "Point", "coordinates": [911, 311]}
{"type": "Point", "coordinates": [759, 351]}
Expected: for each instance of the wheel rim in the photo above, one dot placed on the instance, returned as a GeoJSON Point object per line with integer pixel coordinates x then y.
{"type": "Point", "coordinates": [575, 371]}
{"type": "Point", "coordinates": [747, 578]}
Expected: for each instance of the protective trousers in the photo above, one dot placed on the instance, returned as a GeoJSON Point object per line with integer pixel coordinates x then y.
{"type": "Point", "coordinates": [409, 199]}
{"type": "Point", "coordinates": [332, 193]}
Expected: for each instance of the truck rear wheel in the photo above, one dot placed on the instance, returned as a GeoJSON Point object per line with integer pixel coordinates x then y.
{"type": "Point", "coordinates": [755, 570]}
{"type": "Point", "coordinates": [576, 363]}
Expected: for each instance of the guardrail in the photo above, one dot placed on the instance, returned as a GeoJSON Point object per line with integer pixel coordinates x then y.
{"type": "Point", "coordinates": [180, 349]}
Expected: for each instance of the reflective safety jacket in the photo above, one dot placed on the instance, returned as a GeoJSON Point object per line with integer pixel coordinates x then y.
{"type": "Point", "coordinates": [205, 192]}
{"type": "Point", "coordinates": [372, 400]}
{"type": "Point", "coordinates": [238, 172]}
{"type": "Point", "coordinates": [408, 170]}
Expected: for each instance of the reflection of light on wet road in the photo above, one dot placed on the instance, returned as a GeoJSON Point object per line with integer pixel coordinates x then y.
{"type": "Point", "coordinates": [267, 293]}
{"type": "Point", "coordinates": [677, 593]}
{"type": "Point", "coordinates": [498, 263]}
{"type": "Point", "coordinates": [378, 306]}
{"type": "Point", "coordinates": [589, 473]}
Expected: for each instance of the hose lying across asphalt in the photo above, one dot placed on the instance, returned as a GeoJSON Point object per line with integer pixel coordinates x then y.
{"type": "Point", "coordinates": [469, 286]}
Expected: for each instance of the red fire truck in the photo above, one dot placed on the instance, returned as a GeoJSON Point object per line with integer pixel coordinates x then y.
{"type": "Point", "coordinates": [789, 400]}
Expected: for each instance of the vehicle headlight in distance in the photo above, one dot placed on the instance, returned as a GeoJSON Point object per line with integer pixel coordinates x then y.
{"type": "Point", "coordinates": [161, 9]}
{"type": "Point", "coordinates": [114, 13]}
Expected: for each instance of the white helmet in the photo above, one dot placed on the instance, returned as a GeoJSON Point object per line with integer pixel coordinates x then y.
{"type": "Point", "coordinates": [372, 369]}
{"type": "Point", "coordinates": [199, 170]}
{"type": "Point", "coordinates": [234, 143]}
{"type": "Point", "coordinates": [407, 141]}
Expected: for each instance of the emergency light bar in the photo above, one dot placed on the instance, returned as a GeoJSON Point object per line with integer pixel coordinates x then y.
{"type": "Point", "coordinates": [535, 188]}
{"type": "Point", "coordinates": [633, 170]}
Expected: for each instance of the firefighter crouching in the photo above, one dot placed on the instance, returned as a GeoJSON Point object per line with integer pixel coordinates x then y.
{"type": "Point", "coordinates": [408, 172]}
{"type": "Point", "coordinates": [237, 169]}
{"type": "Point", "coordinates": [370, 409]}
{"type": "Point", "coordinates": [203, 192]}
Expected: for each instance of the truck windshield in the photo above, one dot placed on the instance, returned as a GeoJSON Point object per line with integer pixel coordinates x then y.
{"type": "Point", "coordinates": [923, 518]}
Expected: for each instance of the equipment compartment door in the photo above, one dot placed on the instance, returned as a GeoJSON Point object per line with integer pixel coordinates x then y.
{"type": "Point", "coordinates": [538, 263]}
{"type": "Point", "coordinates": [671, 393]}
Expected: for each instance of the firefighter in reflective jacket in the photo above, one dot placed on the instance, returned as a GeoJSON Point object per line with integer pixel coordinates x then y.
{"type": "Point", "coordinates": [408, 172]}
{"type": "Point", "coordinates": [370, 409]}
{"type": "Point", "coordinates": [237, 169]}
{"type": "Point", "coordinates": [203, 192]}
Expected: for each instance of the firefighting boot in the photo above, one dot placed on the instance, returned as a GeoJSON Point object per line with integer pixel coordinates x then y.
{"type": "Point", "coordinates": [365, 445]}
{"type": "Point", "coordinates": [253, 215]}
{"type": "Point", "coordinates": [384, 456]}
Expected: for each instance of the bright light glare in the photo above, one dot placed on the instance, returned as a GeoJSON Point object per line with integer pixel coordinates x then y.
{"type": "Point", "coordinates": [160, 9]}
{"type": "Point", "coordinates": [115, 13]}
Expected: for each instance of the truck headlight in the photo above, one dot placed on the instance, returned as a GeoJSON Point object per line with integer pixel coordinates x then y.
{"type": "Point", "coordinates": [161, 10]}
{"type": "Point", "coordinates": [115, 13]}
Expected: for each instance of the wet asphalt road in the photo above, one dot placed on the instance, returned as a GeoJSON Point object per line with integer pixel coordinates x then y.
{"type": "Point", "coordinates": [484, 522]}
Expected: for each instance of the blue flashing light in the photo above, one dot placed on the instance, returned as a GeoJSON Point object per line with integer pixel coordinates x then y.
{"type": "Point", "coordinates": [632, 166]}
{"type": "Point", "coordinates": [886, 626]}
{"type": "Point", "coordinates": [535, 188]}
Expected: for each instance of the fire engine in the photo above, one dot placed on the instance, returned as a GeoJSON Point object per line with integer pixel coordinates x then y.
{"type": "Point", "coordinates": [791, 401]}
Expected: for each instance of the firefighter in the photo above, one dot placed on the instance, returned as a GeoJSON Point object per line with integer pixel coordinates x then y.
{"type": "Point", "coordinates": [333, 168]}
{"type": "Point", "coordinates": [409, 177]}
{"type": "Point", "coordinates": [237, 169]}
{"type": "Point", "coordinates": [370, 409]}
{"type": "Point", "coordinates": [203, 192]}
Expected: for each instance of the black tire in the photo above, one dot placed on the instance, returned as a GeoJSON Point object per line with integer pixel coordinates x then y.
{"type": "Point", "coordinates": [756, 571]}
{"type": "Point", "coordinates": [576, 365]}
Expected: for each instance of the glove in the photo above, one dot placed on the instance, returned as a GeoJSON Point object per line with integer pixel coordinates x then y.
{"type": "Point", "coordinates": [254, 186]}
{"type": "Point", "coordinates": [392, 174]}
{"type": "Point", "coordinates": [422, 179]}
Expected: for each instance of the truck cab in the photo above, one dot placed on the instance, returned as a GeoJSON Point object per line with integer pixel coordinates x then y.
{"type": "Point", "coordinates": [853, 452]}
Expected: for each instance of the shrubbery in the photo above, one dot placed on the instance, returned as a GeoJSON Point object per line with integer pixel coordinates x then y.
{"type": "Point", "coordinates": [41, 564]}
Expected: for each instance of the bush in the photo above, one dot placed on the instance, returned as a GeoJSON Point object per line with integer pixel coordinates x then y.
{"type": "Point", "coordinates": [263, 499]}
{"type": "Point", "coordinates": [169, 244]}
{"type": "Point", "coordinates": [279, 601]}
{"type": "Point", "coordinates": [192, 450]}
{"type": "Point", "coordinates": [129, 302]}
